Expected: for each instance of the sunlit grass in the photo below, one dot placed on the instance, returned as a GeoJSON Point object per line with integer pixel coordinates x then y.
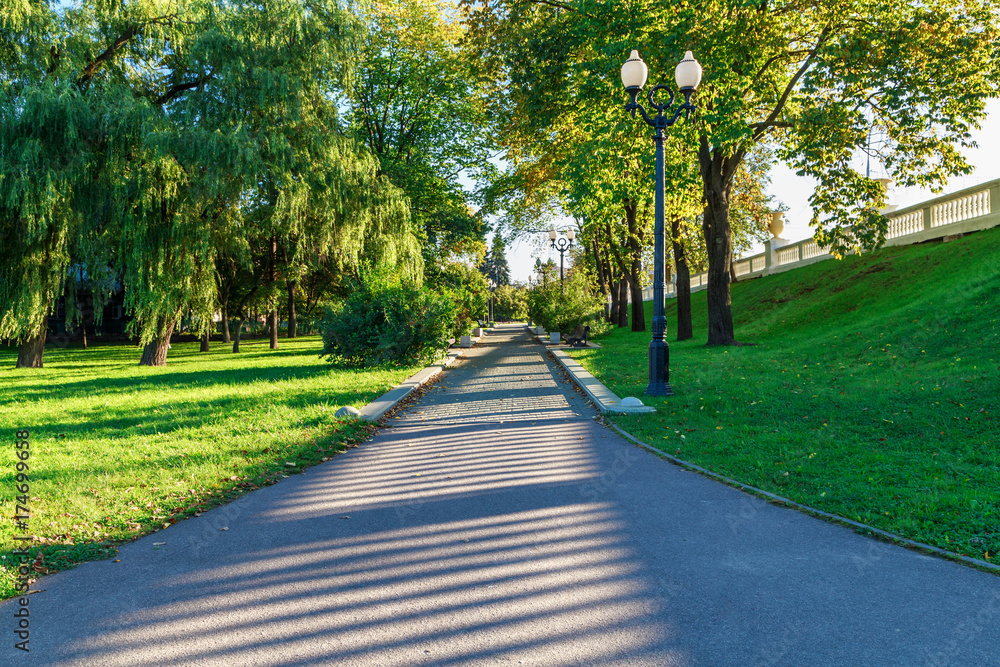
{"type": "Point", "coordinates": [118, 451]}
{"type": "Point", "coordinates": [870, 391]}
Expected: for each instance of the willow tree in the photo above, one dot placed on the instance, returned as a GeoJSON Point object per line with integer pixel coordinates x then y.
{"type": "Point", "coordinates": [50, 195]}
{"type": "Point", "coordinates": [186, 131]}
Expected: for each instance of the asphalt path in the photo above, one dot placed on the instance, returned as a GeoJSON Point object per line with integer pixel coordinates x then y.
{"type": "Point", "coordinates": [496, 522]}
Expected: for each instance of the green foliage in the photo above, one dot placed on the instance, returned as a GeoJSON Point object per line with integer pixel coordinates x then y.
{"type": "Point", "coordinates": [419, 111]}
{"type": "Point", "coordinates": [870, 391]}
{"type": "Point", "coordinates": [175, 142]}
{"type": "Point", "coordinates": [495, 266]}
{"type": "Point", "coordinates": [466, 288]}
{"type": "Point", "coordinates": [388, 322]}
{"type": "Point", "coordinates": [563, 310]}
{"type": "Point", "coordinates": [510, 302]}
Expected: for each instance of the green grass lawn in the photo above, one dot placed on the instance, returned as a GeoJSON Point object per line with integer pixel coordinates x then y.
{"type": "Point", "coordinates": [119, 451]}
{"type": "Point", "coordinates": [871, 390]}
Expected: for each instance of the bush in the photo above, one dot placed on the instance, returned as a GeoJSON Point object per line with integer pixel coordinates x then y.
{"type": "Point", "coordinates": [510, 302]}
{"type": "Point", "coordinates": [563, 311]}
{"type": "Point", "coordinates": [466, 288]}
{"type": "Point", "coordinates": [388, 322]}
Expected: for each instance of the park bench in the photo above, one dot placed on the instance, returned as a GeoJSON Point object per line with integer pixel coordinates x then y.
{"type": "Point", "coordinates": [579, 336]}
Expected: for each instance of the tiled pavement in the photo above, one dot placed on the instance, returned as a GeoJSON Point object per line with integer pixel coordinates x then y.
{"type": "Point", "coordinates": [506, 377]}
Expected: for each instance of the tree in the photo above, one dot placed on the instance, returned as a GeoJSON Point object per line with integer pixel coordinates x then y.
{"type": "Point", "coordinates": [495, 266]}
{"type": "Point", "coordinates": [418, 110]}
{"type": "Point", "coordinates": [812, 78]}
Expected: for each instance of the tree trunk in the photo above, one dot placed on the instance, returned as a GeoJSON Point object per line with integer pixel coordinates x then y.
{"type": "Point", "coordinates": [273, 317]}
{"type": "Point", "coordinates": [29, 353]}
{"type": "Point", "coordinates": [732, 272]}
{"type": "Point", "coordinates": [638, 312]}
{"type": "Point", "coordinates": [601, 279]}
{"type": "Point", "coordinates": [83, 332]}
{"type": "Point", "coordinates": [292, 324]}
{"type": "Point", "coordinates": [225, 322]}
{"type": "Point", "coordinates": [204, 341]}
{"type": "Point", "coordinates": [613, 314]}
{"type": "Point", "coordinates": [682, 289]}
{"type": "Point", "coordinates": [717, 172]}
{"type": "Point", "coordinates": [155, 352]}
{"type": "Point", "coordinates": [236, 338]}
{"type": "Point", "coordinates": [635, 268]}
{"type": "Point", "coordinates": [720, 251]}
{"type": "Point", "coordinates": [623, 302]}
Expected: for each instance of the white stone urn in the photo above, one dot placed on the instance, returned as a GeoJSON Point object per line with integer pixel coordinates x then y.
{"type": "Point", "coordinates": [466, 341]}
{"type": "Point", "coordinates": [554, 338]}
{"type": "Point", "coordinates": [477, 332]}
{"type": "Point", "coordinates": [777, 224]}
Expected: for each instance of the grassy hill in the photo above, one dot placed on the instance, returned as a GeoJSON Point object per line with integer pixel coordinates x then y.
{"type": "Point", "coordinates": [870, 391]}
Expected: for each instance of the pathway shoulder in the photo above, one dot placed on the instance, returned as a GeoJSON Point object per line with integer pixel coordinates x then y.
{"type": "Point", "coordinates": [605, 399]}
{"type": "Point", "coordinates": [374, 410]}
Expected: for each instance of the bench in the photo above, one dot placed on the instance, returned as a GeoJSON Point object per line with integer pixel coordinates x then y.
{"type": "Point", "coordinates": [579, 336]}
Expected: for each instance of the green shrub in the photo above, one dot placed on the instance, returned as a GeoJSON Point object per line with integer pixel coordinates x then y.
{"type": "Point", "coordinates": [510, 302]}
{"type": "Point", "coordinates": [466, 288]}
{"type": "Point", "coordinates": [388, 322]}
{"type": "Point", "coordinates": [563, 310]}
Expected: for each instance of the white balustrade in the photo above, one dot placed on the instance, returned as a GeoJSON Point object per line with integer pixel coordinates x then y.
{"type": "Point", "coordinates": [787, 255]}
{"type": "Point", "coordinates": [908, 223]}
{"type": "Point", "coordinates": [963, 208]}
{"type": "Point", "coordinates": [758, 263]}
{"type": "Point", "coordinates": [811, 249]}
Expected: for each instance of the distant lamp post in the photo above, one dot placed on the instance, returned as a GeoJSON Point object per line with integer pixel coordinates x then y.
{"type": "Point", "coordinates": [562, 244]}
{"type": "Point", "coordinates": [493, 288]}
{"type": "Point", "coordinates": [687, 74]}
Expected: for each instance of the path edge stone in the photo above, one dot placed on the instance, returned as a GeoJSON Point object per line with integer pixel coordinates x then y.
{"type": "Point", "coordinates": [775, 499]}
{"type": "Point", "coordinates": [605, 399]}
{"type": "Point", "coordinates": [387, 401]}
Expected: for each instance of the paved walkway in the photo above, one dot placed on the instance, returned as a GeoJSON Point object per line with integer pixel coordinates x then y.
{"type": "Point", "coordinates": [497, 523]}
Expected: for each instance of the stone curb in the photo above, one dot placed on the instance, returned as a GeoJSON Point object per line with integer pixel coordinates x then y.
{"type": "Point", "coordinates": [812, 511]}
{"type": "Point", "coordinates": [603, 398]}
{"type": "Point", "coordinates": [374, 410]}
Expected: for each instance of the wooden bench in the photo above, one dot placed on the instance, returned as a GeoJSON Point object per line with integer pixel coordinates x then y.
{"type": "Point", "coordinates": [579, 336]}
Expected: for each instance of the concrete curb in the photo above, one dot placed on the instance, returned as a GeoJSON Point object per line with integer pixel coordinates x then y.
{"type": "Point", "coordinates": [603, 398]}
{"type": "Point", "coordinates": [374, 410]}
{"type": "Point", "coordinates": [812, 511]}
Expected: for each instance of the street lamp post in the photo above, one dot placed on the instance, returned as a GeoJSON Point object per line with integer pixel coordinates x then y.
{"type": "Point", "coordinates": [493, 288]}
{"type": "Point", "coordinates": [688, 76]}
{"type": "Point", "coordinates": [562, 245]}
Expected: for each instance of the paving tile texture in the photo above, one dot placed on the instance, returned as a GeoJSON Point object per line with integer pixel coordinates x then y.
{"type": "Point", "coordinates": [523, 533]}
{"type": "Point", "coordinates": [506, 377]}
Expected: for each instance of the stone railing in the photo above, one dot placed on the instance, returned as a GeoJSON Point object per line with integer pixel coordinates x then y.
{"type": "Point", "coordinates": [968, 210]}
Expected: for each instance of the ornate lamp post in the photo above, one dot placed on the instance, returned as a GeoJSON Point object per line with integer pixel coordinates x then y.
{"type": "Point", "coordinates": [562, 245]}
{"type": "Point", "coordinates": [688, 76]}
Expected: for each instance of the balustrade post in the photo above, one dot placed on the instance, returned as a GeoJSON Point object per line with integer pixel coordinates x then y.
{"type": "Point", "coordinates": [927, 218]}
